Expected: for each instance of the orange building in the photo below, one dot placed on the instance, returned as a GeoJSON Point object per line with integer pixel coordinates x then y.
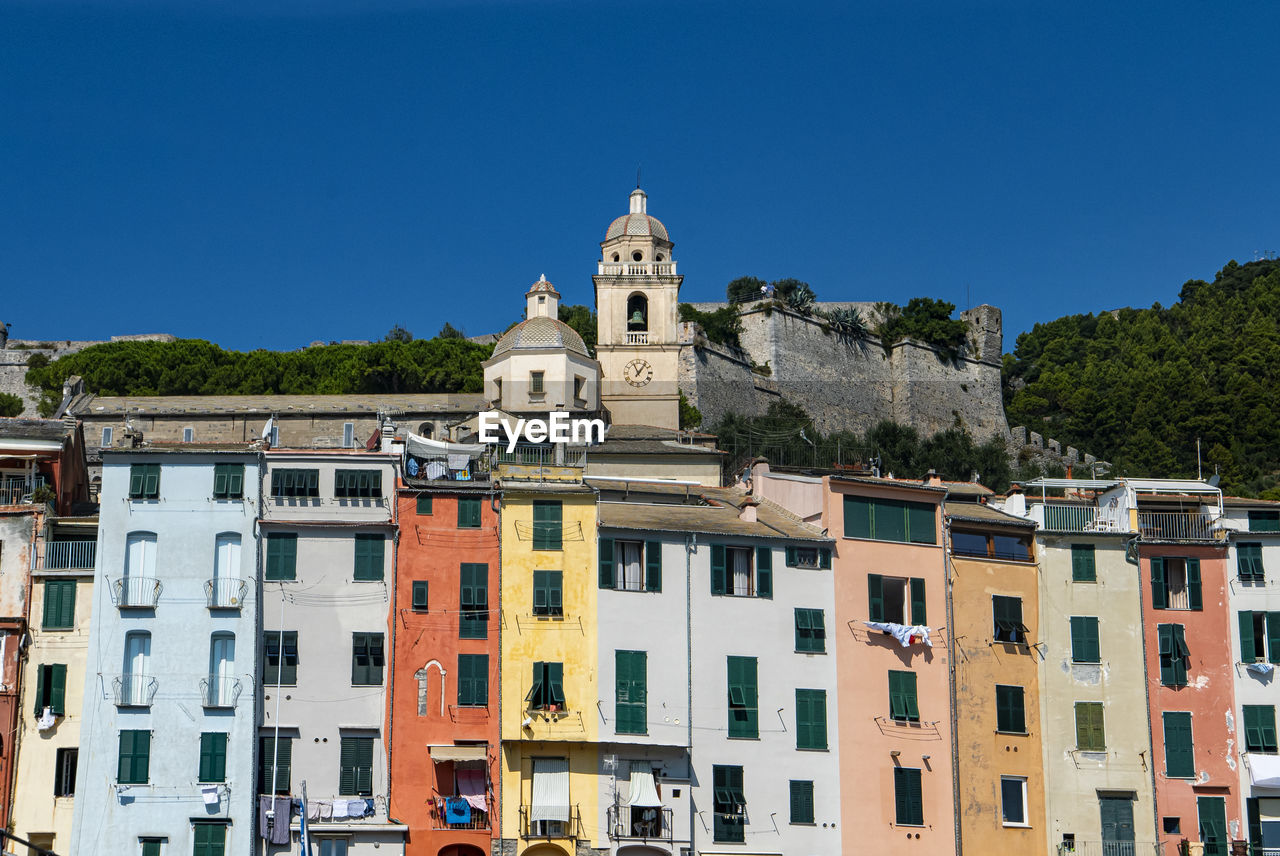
{"type": "Point", "coordinates": [444, 717]}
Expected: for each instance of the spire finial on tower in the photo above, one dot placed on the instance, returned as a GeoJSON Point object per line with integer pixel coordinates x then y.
{"type": "Point", "coordinates": [638, 176]}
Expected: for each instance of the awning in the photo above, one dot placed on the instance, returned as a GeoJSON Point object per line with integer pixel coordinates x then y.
{"type": "Point", "coordinates": [458, 753]}
{"type": "Point", "coordinates": [550, 789]}
{"type": "Point", "coordinates": [1264, 770]}
{"type": "Point", "coordinates": [425, 447]}
{"type": "Point", "coordinates": [643, 792]}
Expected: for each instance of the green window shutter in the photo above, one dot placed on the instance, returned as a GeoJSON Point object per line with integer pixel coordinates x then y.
{"type": "Point", "coordinates": [1260, 728]}
{"type": "Point", "coordinates": [1164, 637]}
{"type": "Point", "coordinates": [210, 839]}
{"type": "Point", "coordinates": [151, 847]}
{"type": "Point", "coordinates": [359, 659]}
{"type": "Point", "coordinates": [42, 688]}
{"type": "Point", "coordinates": [719, 576]}
{"type": "Point", "coordinates": [764, 572]}
{"type": "Point", "coordinates": [1249, 562]}
{"type": "Point", "coordinates": [1010, 711]}
{"type": "Point", "coordinates": [151, 485]}
{"type": "Point", "coordinates": [811, 630]}
{"type": "Point", "coordinates": [1179, 751]}
{"type": "Point", "coordinates": [743, 698]}
{"type": "Point", "coordinates": [790, 556]}
{"type": "Point", "coordinates": [135, 758]}
{"type": "Point", "coordinates": [922, 527]}
{"type": "Point", "coordinates": [137, 481]}
{"type": "Point", "coordinates": [1252, 729]}
{"type": "Point", "coordinates": [908, 797]}
{"type": "Point", "coordinates": [474, 596]}
{"type": "Point", "coordinates": [423, 504]}
{"type": "Point", "coordinates": [1089, 731]}
{"type": "Point", "coordinates": [283, 762]}
{"type": "Point", "coordinates": [282, 556]}
{"type": "Point", "coordinates": [918, 615]}
{"type": "Point", "coordinates": [57, 688]}
{"type": "Point", "coordinates": [213, 757]}
{"type": "Point", "coordinates": [235, 481]}
{"type": "Point", "coordinates": [875, 596]}
{"type": "Point", "coordinates": [631, 692]}
{"type": "Point", "coordinates": [421, 590]}
{"type": "Point", "coordinates": [370, 556]}
{"type": "Point", "coordinates": [1273, 637]}
{"type": "Point", "coordinates": [555, 683]}
{"type": "Point", "coordinates": [1180, 655]}
{"type": "Point", "coordinates": [1158, 591]}
{"type": "Point", "coordinates": [653, 566]}
{"type": "Point", "coordinates": [468, 512]}
{"type": "Point", "coordinates": [857, 517]}
{"type": "Point", "coordinates": [547, 524]}
{"type": "Point", "coordinates": [537, 689]}
{"type": "Point", "coordinates": [903, 700]}
{"type": "Point", "coordinates": [889, 520]}
{"type": "Point", "coordinates": [364, 761]}
{"type": "Point", "coordinates": [1194, 593]}
{"type": "Point", "coordinates": [219, 482]}
{"type": "Point", "coordinates": [59, 605]}
{"type": "Point", "coordinates": [347, 767]}
{"type": "Point", "coordinates": [824, 558]}
{"type": "Point", "coordinates": [1248, 651]}
{"type": "Point", "coordinates": [1084, 639]}
{"type": "Point", "coordinates": [473, 680]}
{"type": "Point", "coordinates": [67, 607]}
{"type": "Point", "coordinates": [604, 552]}
{"type": "Point", "coordinates": [1264, 521]}
{"type": "Point", "coordinates": [555, 592]}
{"type": "Point", "coordinates": [1254, 812]}
{"type": "Point", "coordinates": [801, 802]}
{"type": "Point", "coordinates": [289, 659]}
{"type": "Point", "coordinates": [1083, 563]}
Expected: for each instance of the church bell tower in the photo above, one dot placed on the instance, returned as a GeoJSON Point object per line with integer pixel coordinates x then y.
{"type": "Point", "coordinates": [637, 293]}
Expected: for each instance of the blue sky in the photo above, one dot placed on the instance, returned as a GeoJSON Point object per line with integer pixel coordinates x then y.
{"type": "Point", "coordinates": [304, 171]}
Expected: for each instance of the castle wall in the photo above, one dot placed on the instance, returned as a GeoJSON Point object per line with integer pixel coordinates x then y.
{"type": "Point", "coordinates": [16, 352]}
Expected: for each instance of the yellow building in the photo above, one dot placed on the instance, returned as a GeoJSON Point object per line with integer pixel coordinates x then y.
{"type": "Point", "coordinates": [54, 678]}
{"type": "Point", "coordinates": [996, 627]}
{"type": "Point", "coordinates": [549, 669]}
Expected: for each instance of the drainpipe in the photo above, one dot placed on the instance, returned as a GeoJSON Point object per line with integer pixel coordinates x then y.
{"type": "Point", "coordinates": [1146, 689]}
{"type": "Point", "coordinates": [949, 571]}
{"type": "Point", "coordinates": [19, 660]}
{"type": "Point", "coordinates": [391, 632]}
{"type": "Point", "coordinates": [691, 544]}
{"type": "Point", "coordinates": [495, 817]}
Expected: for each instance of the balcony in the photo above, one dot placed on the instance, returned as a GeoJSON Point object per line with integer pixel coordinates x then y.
{"type": "Point", "coordinates": [434, 469]}
{"type": "Point", "coordinates": [225, 593]}
{"type": "Point", "coordinates": [637, 337]}
{"type": "Point", "coordinates": [216, 691]}
{"type": "Point", "coordinates": [17, 491]}
{"type": "Point", "coordinates": [568, 823]}
{"type": "Point", "coordinates": [1177, 526]}
{"type": "Point", "coordinates": [133, 690]}
{"type": "Point", "coordinates": [137, 592]}
{"type": "Point", "coordinates": [634, 822]}
{"type": "Point", "coordinates": [1121, 848]}
{"type": "Point", "coordinates": [65, 555]}
{"type": "Point", "coordinates": [479, 820]}
{"type": "Point", "coordinates": [637, 268]}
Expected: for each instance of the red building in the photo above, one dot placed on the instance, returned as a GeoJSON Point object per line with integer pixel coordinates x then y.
{"type": "Point", "coordinates": [444, 719]}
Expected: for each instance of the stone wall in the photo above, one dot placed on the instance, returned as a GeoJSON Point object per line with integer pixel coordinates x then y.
{"type": "Point", "coordinates": [16, 352]}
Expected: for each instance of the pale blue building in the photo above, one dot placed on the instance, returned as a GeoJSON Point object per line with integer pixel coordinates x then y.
{"type": "Point", "coordinates": [168, 743]}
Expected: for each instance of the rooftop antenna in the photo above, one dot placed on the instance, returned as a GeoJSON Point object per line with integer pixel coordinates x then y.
{"type": "Point", "coordinates": [638, 166]}
{"type": "Point", "coordinates": [1199, 475]}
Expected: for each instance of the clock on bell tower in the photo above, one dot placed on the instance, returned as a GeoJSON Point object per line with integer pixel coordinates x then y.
{"type": "Point", "coordinates": [637, 293]}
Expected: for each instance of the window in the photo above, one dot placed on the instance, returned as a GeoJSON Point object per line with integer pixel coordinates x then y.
{"type": "Point", "coordinates": [1090, 736]}
{"type": "Point", "coordinates": [333, 846]}
{"type": "Point", "coordinates": [473, 620]}
{"type": "Point", "coordinates": [811, 719]}
{"type": "Point", "coordinates": [1011, 715]}
{"type": "Point", "coordinates": [366, 659]}
{"type": "Point", "coordinates": [420, 590]}
{"type": "Point", "coordinates": [275, 765]}
{"type": "Point", "coordinates": [1007, 613]}
{"type": "Point", "coordinates": [1259, 636]}
{"type": "Point", "coordinates": [809, 557]}
{"type": "Point", "coordinates": [473, 680]}
{"type": "Point", "coordinates": [424, 504]}
{"type": "Point", "coordinates": [106, 437]}
{"type": "Point", "coordinates": [630, 565]}
{"type": "Point", "coordinates": [188, 435]}
{"type": "Point", "coordinates": [295, 483]}
{"type": "Point", "coordinates": [355, 770]}
{"type": "Point", "coordinates": [811, 631]}
{"type": "Point", "coordinates": [991, 545]}
{"type": "Point", "coordinates": [731, 571]}
{"type": "Point", "coordinates": [908, 797]}
{"type": "Point", "coordinates": [1264, 521]}
{"type": "Point", "coordinates": [51, 689]}
{"type": "Point", "coordinates": [1249, 563]}
{"type": "Point", "coordinates": [801, 801]}
{"type": "Point", "coordinates": [729, 804]}
{"type": "Point", "coordinates": [547, 690]}
{"type": "Point", "coordinates": [280, 658]}
{"type": "Point", "coordinates": [548, 593]}
{"type": "Point", "coordinates": [210, 838]}
{"type": "Point", "coordinates": [275, 434]}
{"type": "Point", "coordinates": [1179, 751]}
{"type": "Point", "coordinates": [1084, 568]}
{"type": "Point", "coordinates": [468, 512]}
{"type": "Point", "coordinates": [213, 757]}
{"type": "Point", "coordinates": [536, 383]}
{"type": "Point", "coordinates": [1084, 639]}
{"type": "Point", "coordinates": [1013, 800]}
{"type": "Point", "coordinates": [1260, 728]}
{"type": "Point", "coordinates": [1173, 655]}
{"type": "Point", "coordinates": [348, 435]}
{"type": "Point", "coordinates": [744, 718]}
{"type": "Point", "coordinates": [902, 697]}
{"type": "Point", "coordinates": [1175, 583]}
{"type": "Point", "coordinates": [64, 777]}
{"type": "Point", "coordinates": [135, 757]}
{"type": "Point", "coordinates": [579, 388]}
{"type": "Point", "coordinates": [890, 520]}
{"type": "Point", "coordinates": [888, 599]}
{"type": "Point", "coordinates": [357, 484]}
{"type": "Point", "coordinates": [135, 682]}
{"type": "Point", "coordinates": [1171, 825]}
{"type": "Point", "coordinates": [144, 481]}
{"type": "Point", "coordinates": [282, 556]}
{"type": "Point", "coordinates": [225, 589]}
{"type": "Point", "coordinates": [59, 605]}
{"type": "Point", "coordinates": [228, 481]}
{"type": "Point", "coordinates": [1211, 812]}
{"type": "Point", "coordinates": [370, 555]}
{"type": "Point", "coordinates": [548, 530]}
{"type": "Point", "coordinates": [631, 691]}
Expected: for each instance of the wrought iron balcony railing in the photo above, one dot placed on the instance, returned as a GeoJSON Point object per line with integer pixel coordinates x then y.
{"type": "Point", "coordinates": [137, 592]}
{"type": "Point", "coordinates": [225, 592]}
{"type": "Point", "coordinates": [648, 823]}
{"type": "Point", "coordinates": [219, 692]}
{"type": "Point", "coordinates": [133, 690]}
{"type": "Point", "coordinates": [553, 822]}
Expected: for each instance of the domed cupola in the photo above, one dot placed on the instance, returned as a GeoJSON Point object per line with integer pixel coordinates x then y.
{"type": "Point", "coordinates": [636, 237]}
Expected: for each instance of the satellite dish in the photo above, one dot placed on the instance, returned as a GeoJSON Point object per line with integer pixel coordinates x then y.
{"type": "Point", "coordinates": [1214, 479]}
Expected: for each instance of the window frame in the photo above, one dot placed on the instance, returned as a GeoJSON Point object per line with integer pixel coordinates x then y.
{"type": "Point", "coordinates": [1266, 520]}
{"type": "Point", "coordinates": [369, 557]}
{"type": "Point", "coordinates": [420, 596]}
{"type": "Point", "coordinates": [281, 763]}
{"type": "Point", "coordinates": [280, 560]}
{"type": "Point", "coordinates": [1179, 716]}
{"type": "Point", "coordinates": [549, 587]}
{"type": "Point", "coordinates": [473, 691]}
{"type": "Point", "coordinates": [363, 483]}
{"type": "Point", "coordinates": [908, 795]}
{"type": "Point", "coordinates": [1006, 707]}
{"type": "Point", "coordinates": [1092, 725]}
{"type": "Point", "coordinates": [631, 696]}
{"type": "Point", "coordinates": [743, 696]}
{"type": "Point", "coordinates": [51, 688]}
{"type": "Point", "coordinates": [548, 527]}
{"type": "Point", "coordinates": [144, 482]}
{"type": "Point", "coordinates": [546, 692]}
{"type": "Point", "coordinates": [352, 753]}
{"type": "Point", "coordinates": [370, 647]}
{"type": "Point", "coordinates": [295, 483]}
{"type": "Point", "coordinates": [63, 612]}
{"type": "Point", "coordinates": [1015, 629]}
{"type": "Point", "coordinates": [137, 758]}
{"type": "Point", "coordinates": [474, 511]}
{"type": "Point", "coordinates": [1173, 654]}
{"type": "Point", "coordinates": [810, 630]}
{"type": "Point", "coordinates": [64, 779]}
{"type": "Point", "coordinates": [1086, 643]}
{"type": "Point", "coordinates": [1249, 566]}
{"type": "Point", "coordinates": [282, 642]}
{"type": "Point", "coordinates": [811, 720]}
{"type": "Point", "coordinates": [861, 516]}
{"type": "Point", "coordinates": [728, 804]}
{"type": "Point", "coordinates": [232, 482]}
{"type": "Point", "coordinates": [1084, 563]}
{"type": "Point", "coordinates": [1025, 823]}
{"type": "Point", "coordinates": [424, 499]}
{"type": "Point", "coordinates": [213, 757]}
{"type": "Point", "coordinates": [801, 791]}
{"type": "Point", "coordinates": [904, 702]}
{"type": "Point", "coordinates": [1260, 718]}
{"type": "Point", "coordinates": [473, 599]}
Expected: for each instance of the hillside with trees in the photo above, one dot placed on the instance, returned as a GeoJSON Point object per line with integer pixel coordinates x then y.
{"type": "Point", "coordinates": [1137, 387]}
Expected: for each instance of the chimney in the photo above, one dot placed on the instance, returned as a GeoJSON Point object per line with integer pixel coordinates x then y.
{"type": "Point", "coordinates": [932, 479]}
{"type": "Point", "coordinates": [747, 513]}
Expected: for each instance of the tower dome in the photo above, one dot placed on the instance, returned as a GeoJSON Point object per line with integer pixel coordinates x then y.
{"type": "Point", "coordinates": [637, 223]}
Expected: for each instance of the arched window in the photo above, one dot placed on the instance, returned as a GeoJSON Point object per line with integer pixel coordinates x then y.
{"type": "Point", "coordinates": [637, 313]}
{"type": "Point", "coordinates": [637, 256]}
{"type": "Point", "coordinates": [135, 679]}
{"type": "Point", "coordinates": [616, 257]}
{"type": "Point", "coordinates": [222, 660]}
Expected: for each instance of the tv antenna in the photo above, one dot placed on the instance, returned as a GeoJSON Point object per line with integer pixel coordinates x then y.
{"type": "Point", "coordinates": [638, 166]}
